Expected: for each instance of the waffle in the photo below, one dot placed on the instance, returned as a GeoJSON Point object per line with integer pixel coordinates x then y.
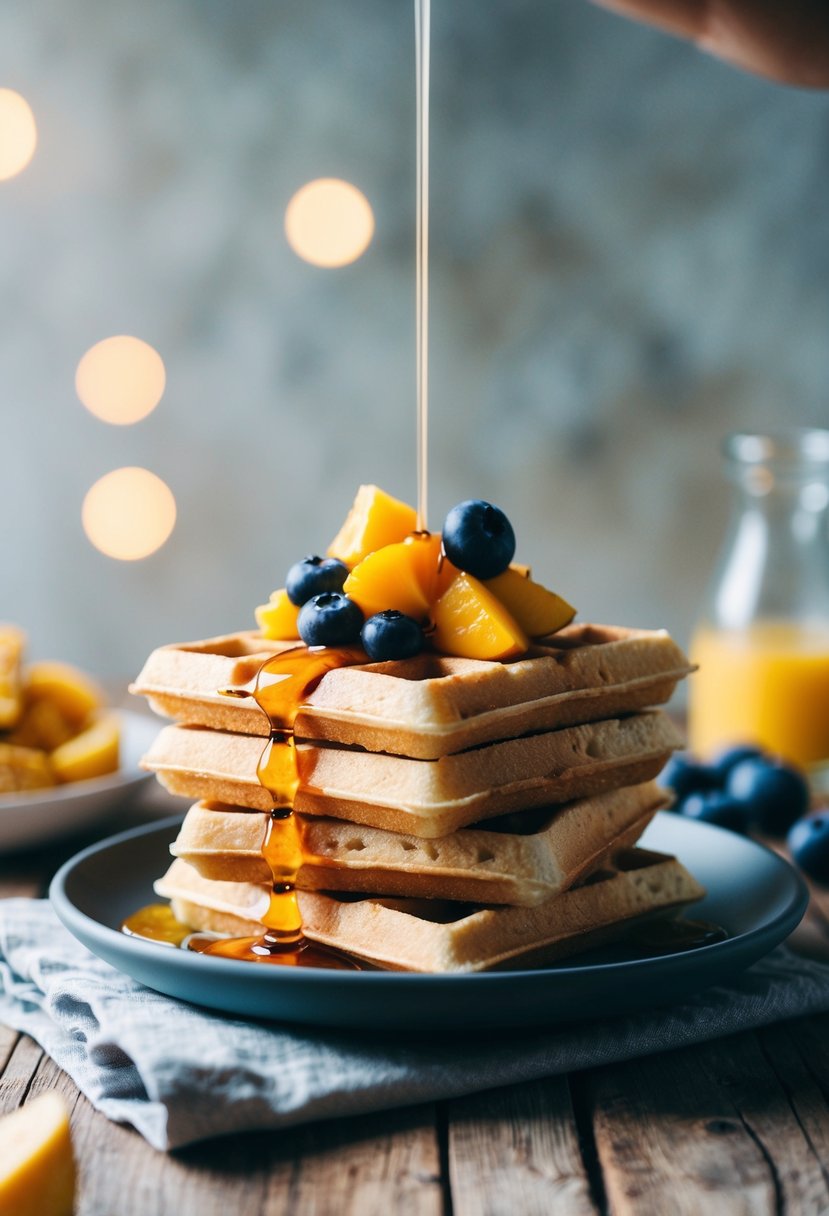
{"type": "Point", "coordinates": [522, 859]}
{"type": "Point", "coordinates": [443, 937]}
{"type": "Point", "coordinates": [427, 798]}
{"type": "Point", "coordinates": [431, 706]}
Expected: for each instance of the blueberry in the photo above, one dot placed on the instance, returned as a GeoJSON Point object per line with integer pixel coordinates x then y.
{"type": "Point", "coordinates": [731, 757]}
{"type": "Point", "coordinates": [391, 635]}
{"type": "Point", "coordinates": [329, 619]}
{"type": "Point", "coordinates": [808, 843]}
{"type": "Point", "coordinates": [312, 576]}
{"type": "Point", "coordinates": [478, 538]}
{"type": "Point", "coordinates": [685, 776]}
{"type": "Point", "coordinates": [775, 794]}
{"type": "Point", "coordinates": [714, 806]}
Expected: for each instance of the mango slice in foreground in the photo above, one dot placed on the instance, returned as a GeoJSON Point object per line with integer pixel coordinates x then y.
{"type": "Point", "coordinates": [473, 623]}
{"type": "Point", "coordinates": [375, 520]}
{"type": "Point", "coordinates": [537, 610]}
{"type": "Point", "coordinates": [389, 578]}
{"type": "Point", "coordinates": [92, 753]}
{"type": "Point", "coordinates": [74, 692]}
{"type": "Point", "coordinates": [37, 1168]}
{"type": "Point", "coordinates": [277, 619]}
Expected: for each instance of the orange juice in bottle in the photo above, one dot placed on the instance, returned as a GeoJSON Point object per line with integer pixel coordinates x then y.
{"type": "Point", "coordinates": [762, 644]}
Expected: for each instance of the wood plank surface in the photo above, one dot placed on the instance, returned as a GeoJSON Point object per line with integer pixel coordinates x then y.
{"type": "Point", "coordinates": [516, 1150]}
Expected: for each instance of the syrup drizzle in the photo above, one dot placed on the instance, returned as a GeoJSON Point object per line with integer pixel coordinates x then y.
{"type": "Point", "coordinates": [283, 684]}
{"type": "Point", "coordinates": [422, 41]}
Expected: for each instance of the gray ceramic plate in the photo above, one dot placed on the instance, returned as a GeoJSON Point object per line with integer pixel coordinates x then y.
{"type": "Point", "coordinates": [757, 897]}
{"type": "Point", "coordinates": [29, 820]}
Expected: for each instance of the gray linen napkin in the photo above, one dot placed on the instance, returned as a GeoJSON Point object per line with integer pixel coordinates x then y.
{"type": "Point", "coordinates": [179, 1074]}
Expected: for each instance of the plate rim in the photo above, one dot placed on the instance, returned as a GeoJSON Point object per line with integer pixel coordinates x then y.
{"type": "Point", "coordinates": [795, 902]}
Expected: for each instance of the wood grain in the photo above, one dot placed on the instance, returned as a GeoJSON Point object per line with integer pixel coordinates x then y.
{"type": "Point", "coordinates": [516, 1150]}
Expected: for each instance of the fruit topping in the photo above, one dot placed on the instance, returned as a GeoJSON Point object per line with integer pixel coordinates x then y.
{"type": "Point", "coordinates": [278, 618]}
{"type": "Point", "coordinates": [330, 619]}
{"type": "Point", "coordinates": [375, 520]}
{"type": "Point", "coordinates": [537, 610]}
{"type": "Point", "coordinates": [391, 635]}
{"type": "Point", "coordinates": [473, 623]}
{"type": "Point", "coordinates": [312, 576]}
{"type": "Point", "coordinates": [717, 807]}
{"type": "Point", "coordinates": [389, 578]}
{"type": "Point", "coordinates": [455, 591]}
{"type": "Point", "coordinates": [478, 538]}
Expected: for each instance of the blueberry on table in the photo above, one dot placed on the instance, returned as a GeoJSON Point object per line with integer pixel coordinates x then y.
{"type": "Point", "coordinates": [686, 776]}
{"type": "Point", "coordinates": [722, 764]}
{"type": "Point", "coordinates": [775, 795]}
{"type": "Point", "coordinates": [714, 806]}
{"type": "Point", "coordinates": [391, 635]}
{"type": "Point", "coordinates": [312, 576]}
{"type": "Point", "coordinates": [808, 843]}
{"type": "Point", "coordinates": [478, 538]}
{"type": "Point", "coordinates": [329, 619]}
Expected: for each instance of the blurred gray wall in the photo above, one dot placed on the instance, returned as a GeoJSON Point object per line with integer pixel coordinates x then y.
{"type": "Point", "coordinates": [630, 258]}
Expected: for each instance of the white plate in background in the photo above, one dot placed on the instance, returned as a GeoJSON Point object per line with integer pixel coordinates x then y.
{"type": "Point", "coordinates": [38, 817]}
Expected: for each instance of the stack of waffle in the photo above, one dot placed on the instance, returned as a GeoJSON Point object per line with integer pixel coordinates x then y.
{"type": "Point", "coordinates": [456, 815]}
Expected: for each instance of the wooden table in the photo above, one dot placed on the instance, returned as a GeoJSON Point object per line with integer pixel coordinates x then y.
{"type": "Point", "coordinates": [736, 1126]}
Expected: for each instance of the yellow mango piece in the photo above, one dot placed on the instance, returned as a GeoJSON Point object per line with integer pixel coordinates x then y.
{"type": "Point", "coordinates": [42, 725]}
{"type": "Point", "coordinates": [389, 578]}
{"type": "Point", "coordinates": [374, 521]}
{"type": "Point", "coordinates": [92, 753]}
{"type": "Point", "coordinates": [24, 768]}
{"type": "Point", "coordinates": [277, 618]}
{"type": "Point", "coordinates": [537, 610]}
{"type": "Point", "coordinates": [472, 623]}
{"type": "Point", "coordinates": [37, 1167]}
{"type": "Point", "coordinates": [74, 692]}
{"type": "Point", "coordinates": [12, 642]}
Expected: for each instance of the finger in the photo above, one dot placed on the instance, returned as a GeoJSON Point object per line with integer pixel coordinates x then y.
{"type": "Point", "coordinates": [785, 42]}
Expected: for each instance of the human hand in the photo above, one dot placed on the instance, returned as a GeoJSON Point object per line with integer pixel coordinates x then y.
{"type": "Point", "coordinates": [785, 40]}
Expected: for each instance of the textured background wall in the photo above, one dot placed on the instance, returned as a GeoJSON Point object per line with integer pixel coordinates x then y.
{"type": "Point", "coordinates": [630, 258]}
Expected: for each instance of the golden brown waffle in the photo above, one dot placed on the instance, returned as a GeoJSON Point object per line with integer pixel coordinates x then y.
{"type": "Point", "coordinates": [436, 936]}
{"type": "Point", "coordinates": [427, 798]}
{"type": "Point", "coordinates": [430, 706]}
{"type": "Point", "coordinates": [523, 859]}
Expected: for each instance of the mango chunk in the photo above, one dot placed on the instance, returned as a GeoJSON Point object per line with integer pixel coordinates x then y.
{"type": "Point", "coordinates": [12, 641]}
{"type": "Point", "coordinates": [277, 619]}
{"type": "Point", "coordinates": [37, 1166]}
{"type": "Point", "coordinates": [537, 610]}
{"type": "Point", "coordinates": [374, 521]}
{"type": "Point", "coordinates": [92, 753]}
{"type": "Point", "coordinates": [390, 578]}
{"type": "Point", "coordinates": [472, 623]}
{"type": "Point", "coordinates": [24, 768]}
{"type": "Point", "coordinates": [74, 692]}
{"type": "Point", "coordinates": [42, 725]}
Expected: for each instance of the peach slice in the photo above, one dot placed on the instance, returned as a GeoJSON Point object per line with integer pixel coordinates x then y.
{"type": "Point", "coordinates": [390, 578]}
{"type": "Point", "coordinates": [374, 521]}
{"type": "Point", "coordinates": [37, 1167]}
{"type": "Point", "coordinates": [472, 623]}
{"type": "Point", "coordinates": [24, 768]}
{"type": "Point", "coordinates": [92, 753]}
{"type": "Point", "coordinates": [12, 641]}
{"type": "Point", "coordinates": [537, 610]}
{"type": "Point", "coordinates": [277, 619]}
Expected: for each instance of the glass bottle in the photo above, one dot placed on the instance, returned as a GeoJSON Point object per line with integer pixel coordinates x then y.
{"type": "Point", "coordinates": [762, 642]}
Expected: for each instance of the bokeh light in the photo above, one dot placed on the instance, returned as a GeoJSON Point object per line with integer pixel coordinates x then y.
{"type": "Point", "coordinates": [121, 379]}
{"type": "Point", "coordinates": [18, 134]}
{"type": "Point", "coordinates": [128, 514]}
{"type": "Point", "coordinates": [329, 222]}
